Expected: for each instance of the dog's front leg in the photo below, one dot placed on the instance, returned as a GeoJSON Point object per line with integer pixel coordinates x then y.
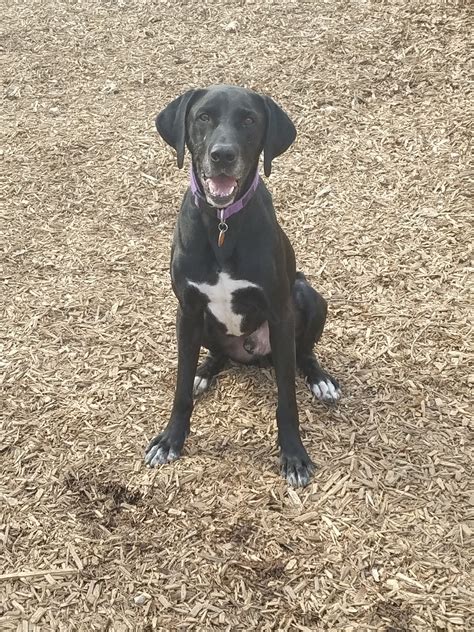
{"type": "Point", "coordinates": [167, 446]}
{"type": "Point", "coordinates": [296, 466]}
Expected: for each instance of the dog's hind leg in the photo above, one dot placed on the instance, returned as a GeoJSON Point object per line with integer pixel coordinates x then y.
{"type": "Point", "coordinates": [312, 308]}
{"type": "Point", "coordinates": [212, 364]}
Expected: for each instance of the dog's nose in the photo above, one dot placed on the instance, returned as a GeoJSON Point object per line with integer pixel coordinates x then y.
{"type": "Point", "coordinates": [223, 153]}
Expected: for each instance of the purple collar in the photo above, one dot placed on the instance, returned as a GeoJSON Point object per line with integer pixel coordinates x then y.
{"type": "Point", "coordinates": [223, 213]}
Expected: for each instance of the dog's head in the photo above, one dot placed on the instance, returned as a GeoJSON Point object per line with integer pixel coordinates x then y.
{"type": "Point", "coordinates": [225, 129]}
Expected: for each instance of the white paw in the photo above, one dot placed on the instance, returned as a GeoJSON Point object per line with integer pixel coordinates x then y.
{"type": "Point", "coordinates": [159, 455]}
{"type": "Point", "coordinates": [201, 384]}
{"type": "Point", "coordinates": [326, 391]}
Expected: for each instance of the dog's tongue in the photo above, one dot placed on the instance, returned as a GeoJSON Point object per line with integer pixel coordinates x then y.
{"type": "Point", "coordinates": [221, 186]}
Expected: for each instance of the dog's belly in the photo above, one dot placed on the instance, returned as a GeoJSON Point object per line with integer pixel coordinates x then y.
{"type": "Point", "coordinates": [223, 299]}
{"type": "Point", "coordinates": [246, 349]}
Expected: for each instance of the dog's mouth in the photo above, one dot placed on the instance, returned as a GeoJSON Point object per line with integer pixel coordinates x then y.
{"type": "Point", "coordinates": [220, 190]}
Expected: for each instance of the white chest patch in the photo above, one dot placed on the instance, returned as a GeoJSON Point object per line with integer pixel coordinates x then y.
{"type": "Point", "coordinates": [220, 300]}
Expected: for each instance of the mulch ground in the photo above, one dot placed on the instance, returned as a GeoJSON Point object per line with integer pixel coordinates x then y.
{"type": "Point", "coordinates": [374, 196]}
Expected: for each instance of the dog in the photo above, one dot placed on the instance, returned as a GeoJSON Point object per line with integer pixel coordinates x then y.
{"type": "Point", "coordinates": [233, 268]}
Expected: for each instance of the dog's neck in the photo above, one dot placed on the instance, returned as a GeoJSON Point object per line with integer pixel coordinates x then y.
{"type": "Point", "coordinates": [223, 214]}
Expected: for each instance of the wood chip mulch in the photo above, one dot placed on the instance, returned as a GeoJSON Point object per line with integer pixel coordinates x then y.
{"type": "Point", "coordinates": [375, 196]}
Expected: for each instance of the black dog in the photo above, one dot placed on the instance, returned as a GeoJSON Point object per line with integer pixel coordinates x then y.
{"type": "Point", "coordinates": [233, 268]}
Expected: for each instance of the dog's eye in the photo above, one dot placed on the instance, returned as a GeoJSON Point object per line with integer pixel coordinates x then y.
{"type": "Point", "coordinates": [248, 120]}
{"type": "Point", "coordinates": [204, 117]}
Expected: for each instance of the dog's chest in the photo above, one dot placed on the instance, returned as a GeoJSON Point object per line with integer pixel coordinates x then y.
{"type": "Point", "coordinates": [224, 303]}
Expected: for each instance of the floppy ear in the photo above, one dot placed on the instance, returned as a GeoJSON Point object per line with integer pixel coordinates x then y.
{"type": "Point", "coordinates": [279, 135]}
{"type": "Point", "coordinates": [171, 123]}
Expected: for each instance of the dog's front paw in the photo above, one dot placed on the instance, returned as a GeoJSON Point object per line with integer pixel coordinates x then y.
{"type": "Point", "coordinates": [296, 468]}
{"type": "Point", "coordinates": [162, 449]}
{"type": "Point", "coordinates": [326, 389]}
